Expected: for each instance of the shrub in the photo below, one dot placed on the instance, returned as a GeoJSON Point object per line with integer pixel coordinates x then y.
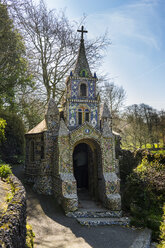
{"type": "Point", "coordinates": [12, 148]}
{"type": "Point", "coordinates": [144, 192]}
{"type": "Point", "coordinates": [2, 129]}
{"type": "Point", "coordinates": [5, 170]}
{"type": "Point", "coordinates": [162, 231]}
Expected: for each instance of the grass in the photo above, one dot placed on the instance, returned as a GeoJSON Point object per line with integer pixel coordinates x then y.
{"type": "Point", "coordinates": [147, 146]}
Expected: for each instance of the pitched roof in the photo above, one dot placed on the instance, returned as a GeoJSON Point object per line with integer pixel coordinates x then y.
{"type": "Point", "coordinates": [39, 128]}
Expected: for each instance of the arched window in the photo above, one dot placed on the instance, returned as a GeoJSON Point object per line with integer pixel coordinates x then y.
{"type": "Point", "coordinates": [83, 73]}
{"type": "Point", "coordinates": [79, 116]}
{"type": "Point", "coordinates": [32, 151]}
{"type": "Point", "coordinates": [83, 90]}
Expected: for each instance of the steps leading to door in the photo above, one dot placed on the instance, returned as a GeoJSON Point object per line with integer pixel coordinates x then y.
{"type": "Point", "coordinates": [122, 221]}
{"type": "Point", "coordinates": [97, 217]}
{"type": "Point", "coordinates": [94, 213]}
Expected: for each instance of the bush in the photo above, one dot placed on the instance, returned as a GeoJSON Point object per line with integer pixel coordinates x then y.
{"type": "Point", "coordinates": [12, 149]}
{"type": "Point", "coordinates": [5, 170]}
{"type": "Point", "coordinates": [144, 192]}
{"type": "Point", "coordinates": [162, 231]}
{"type": "Point", "coordinates": [2, 129]}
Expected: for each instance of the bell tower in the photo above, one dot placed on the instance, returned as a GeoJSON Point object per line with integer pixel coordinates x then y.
{"type": "Point", "coordinates": [82, 102]}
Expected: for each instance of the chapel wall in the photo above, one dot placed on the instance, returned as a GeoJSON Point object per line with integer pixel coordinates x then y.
{"type": "Point", "coordinates": [35, 153]}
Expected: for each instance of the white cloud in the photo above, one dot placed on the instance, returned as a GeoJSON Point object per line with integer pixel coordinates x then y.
{"type": "Point", "coordinates": [134, 21]}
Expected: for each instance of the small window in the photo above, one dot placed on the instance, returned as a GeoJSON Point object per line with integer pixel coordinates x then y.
{"type": "Point", "coordinates": [42, 152]}
{"type": "Point", "coordinates": [80, 117]}
{"type": "Point", "coordinates": [83, 90]}
{"type": "Point", "coordinates": [87, 115]}
{"type": "Point", "coordinates": [83, 73]}
{"type": "Point", "coordinates": [32, 151]}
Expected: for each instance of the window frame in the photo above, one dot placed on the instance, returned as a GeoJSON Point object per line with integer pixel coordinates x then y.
{"type": "Point", "coordinates": [80, 91]}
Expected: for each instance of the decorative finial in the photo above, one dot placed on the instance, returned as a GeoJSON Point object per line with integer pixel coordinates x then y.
{"type": "Point", "coordinates": [82, 31]}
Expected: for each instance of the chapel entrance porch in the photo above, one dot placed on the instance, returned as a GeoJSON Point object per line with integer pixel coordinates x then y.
{"type": "Point", "coordinates": [87, 170]}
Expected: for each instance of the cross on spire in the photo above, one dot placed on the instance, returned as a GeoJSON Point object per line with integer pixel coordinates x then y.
{"type": "Point", "coordinates": [82, 31]}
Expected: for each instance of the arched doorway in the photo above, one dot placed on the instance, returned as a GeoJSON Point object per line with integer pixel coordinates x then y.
{"type": "Point", "coordinates": [87, 167]}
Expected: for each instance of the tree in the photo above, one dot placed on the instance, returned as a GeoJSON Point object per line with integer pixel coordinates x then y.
{"type": "Point", "coordinates": [150, 117]}
{"type": "Point", "coordinates": [141, 126]}
{"type": "Point", "coordinates": [31, 109]}
{"type": "Point", "coordinates": [2, 129]}
{"type": "Point", "coordinates": [134, 128]}
{"type": "Point", "coordinates": [13, 65]}
{"type": "Point", "coordinates": [114, 96]}
{"type": "Point", "coordinates": [162, 126]}
{"type": "Point", "coordinates": [12, 148]}
{"type": "Point", "coordinates": [52, 44]}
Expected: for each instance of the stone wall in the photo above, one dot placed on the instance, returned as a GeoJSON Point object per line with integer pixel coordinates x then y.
{"type": "Point", "coordinates": [13, 221]}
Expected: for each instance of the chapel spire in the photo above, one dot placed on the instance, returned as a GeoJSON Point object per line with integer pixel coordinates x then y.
{"type": "Point", "coordinates": [82, 67]}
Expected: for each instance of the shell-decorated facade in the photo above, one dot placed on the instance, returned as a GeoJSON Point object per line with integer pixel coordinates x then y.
{"type": "Point", "coordinates": [78, 149]}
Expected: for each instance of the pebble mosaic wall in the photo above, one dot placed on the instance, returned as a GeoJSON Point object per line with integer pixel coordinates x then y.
{"type": "Point", "coordinates": [53, 172]}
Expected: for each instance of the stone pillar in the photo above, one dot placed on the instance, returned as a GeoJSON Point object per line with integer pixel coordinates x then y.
{"type": "Point", "coordinates": [66, 191]}
{"type": "Point", "coordinates": [112, 198]}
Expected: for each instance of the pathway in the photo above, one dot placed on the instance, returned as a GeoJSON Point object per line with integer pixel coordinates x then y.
{"type": "Point", "coordinates": [54, 230]}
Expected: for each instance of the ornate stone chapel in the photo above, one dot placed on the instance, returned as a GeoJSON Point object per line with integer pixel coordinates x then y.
{"type": "Point", "coordinates": [75, 149]}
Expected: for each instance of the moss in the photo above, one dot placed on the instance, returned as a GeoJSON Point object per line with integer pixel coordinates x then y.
{"type": "Point", "coordinates": [5, 226]}
{"type": "Point", "coordinates": [9, 197]}
{"type": "Point", "coordinates": [5, 170]}
{"type": "Point", "coordinates": [29, 236]}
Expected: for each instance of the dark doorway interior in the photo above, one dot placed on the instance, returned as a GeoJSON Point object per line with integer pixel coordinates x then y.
{"type": "Point", "coordinates": [80, 165]}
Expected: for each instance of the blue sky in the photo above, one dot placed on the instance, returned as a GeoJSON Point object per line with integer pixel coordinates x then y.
{"type": "Point", "coordinates": [136, 58]}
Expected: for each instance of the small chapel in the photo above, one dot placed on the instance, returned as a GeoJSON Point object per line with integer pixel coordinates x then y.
{"type": "Point", "coordinates": [75, 148]}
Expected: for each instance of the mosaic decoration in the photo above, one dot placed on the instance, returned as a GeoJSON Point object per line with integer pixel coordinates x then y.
{"type": "Point", "coordinates": [91, 87]}
{"type": "Point", "coordinates": [87, 131]}
{"type": "Point", "coordinates": [73, 113]}
{"type": "Point", "coordinates": [43, 185]}
{"type": "Point", "coordinates": [53, 172]}
{"type": "Point", "coordinates": [69, 188]}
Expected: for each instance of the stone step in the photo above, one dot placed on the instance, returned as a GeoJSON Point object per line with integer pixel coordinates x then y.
{"type": "Point", "coordinates": [143, 240]}
{"type": "Point", "coordinates": [123, 221]}
{"type": "Point", "coordinates": [94, 213]}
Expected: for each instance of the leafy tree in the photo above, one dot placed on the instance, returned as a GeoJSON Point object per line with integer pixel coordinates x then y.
{"type": "Point", "coordinates": [12, 148]}
{"type": "Point", "coordinates": [2, 129]}
{"type": "Point", "coordinates": [13, 65]}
